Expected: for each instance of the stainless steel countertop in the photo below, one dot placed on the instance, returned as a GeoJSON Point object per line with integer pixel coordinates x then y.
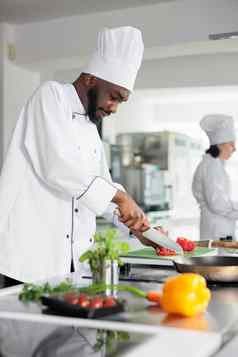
{"type": "Point", "coordinates": [221, 315]}
{"type": "Point", "coordinates": [221, 318]}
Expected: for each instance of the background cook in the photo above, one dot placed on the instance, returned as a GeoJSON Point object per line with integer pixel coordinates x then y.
{"type": "Point", "coordinates": [211, 184]}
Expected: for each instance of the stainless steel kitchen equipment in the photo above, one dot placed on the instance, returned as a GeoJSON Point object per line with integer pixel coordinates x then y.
{"type": "Point", "coordinates": [146, 184]}
{"type": "Point", "coordinates": [116, 163]}
{"type": "Point", "coordinates": [110, 276]}
{"type": "Point", "coordinates": [214, 268]}
{"type": "Point", "coordinates": [157, 169]}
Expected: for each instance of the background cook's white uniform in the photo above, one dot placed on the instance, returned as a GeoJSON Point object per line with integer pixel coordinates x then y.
{"type": "Point", "coordinates": [54, 182]}
{"type": "Point", "coordinates": [211, 188]}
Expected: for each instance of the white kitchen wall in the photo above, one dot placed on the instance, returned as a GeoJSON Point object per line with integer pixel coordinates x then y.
{"type": "Point", "coordinates": [189, 71]}
{"type": "Point", "coordinates": [17, 85]}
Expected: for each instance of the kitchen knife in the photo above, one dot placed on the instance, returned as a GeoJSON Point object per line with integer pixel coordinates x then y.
{"type": "Point", "coordinates": [157, 237]}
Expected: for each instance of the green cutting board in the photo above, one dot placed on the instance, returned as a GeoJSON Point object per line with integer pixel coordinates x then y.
{"type": "Point", "coordinates": [150, 253]}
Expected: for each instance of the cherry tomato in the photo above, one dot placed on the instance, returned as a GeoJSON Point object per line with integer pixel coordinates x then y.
{"type": "Point", "coordinates": [71, 298]}
{"type": "Point", "coordinates": [190, 246]}
{"type": "Point", "coordinates": [109, 301]}
{"type": "Point", "coordinates": [96, 302]}
{"type": "Point", "coordinates": [84, 300]}
{"type": "Point", "coordinates": [165, 252]}
{"type": "Point", "coordinates": [186, 244]}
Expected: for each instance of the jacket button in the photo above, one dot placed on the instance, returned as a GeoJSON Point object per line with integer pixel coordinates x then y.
{"type": "Point", "coordinates": [90, 240]}
{"type": "Point", "coordinates": [67, 235]}
{"type": "Point", "coordinates": [76, 210]}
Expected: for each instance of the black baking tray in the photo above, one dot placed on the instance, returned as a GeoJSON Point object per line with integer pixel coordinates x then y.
{"type": "Point", "coordinates": [58, 306]}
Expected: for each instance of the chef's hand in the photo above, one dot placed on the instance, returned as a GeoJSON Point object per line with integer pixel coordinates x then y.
{"type": "Point", "coordinates": [130, 213]}
{"type": "Point", "coordinates": [146, 241]}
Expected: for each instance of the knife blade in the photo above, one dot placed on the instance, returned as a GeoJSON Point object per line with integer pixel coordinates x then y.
{"type": "Point", "coordinates": [157, 237]}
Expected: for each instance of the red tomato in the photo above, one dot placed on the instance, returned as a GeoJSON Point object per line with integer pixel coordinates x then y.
{"type": "Point", "coordinates": [96, 302]}
{"type": "Point", "coordinates": [190, 246]}
{"type": "Point", "coordinates": [109, 301]}
{"type": "Point", "coordinates": [186, 244]}
{"type": "Point", "coordinates": [71, 298]}
{"type": "Point", "coordinates": [165, 252]}
{"type": "Point", "coordinates": [84, 300]}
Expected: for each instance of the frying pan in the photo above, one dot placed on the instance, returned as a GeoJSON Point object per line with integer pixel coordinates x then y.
{"type": "Point", "coordinates": [213, 268]}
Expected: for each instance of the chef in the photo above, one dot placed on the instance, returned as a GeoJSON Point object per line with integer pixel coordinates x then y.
{"type": "Point", "coordinates": [211, 183]}
{"type": "Point", "coordinates": [55, 178]}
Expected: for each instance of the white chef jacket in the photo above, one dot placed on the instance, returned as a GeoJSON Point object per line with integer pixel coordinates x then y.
{"type": "Point", "coordinates": [54, 182]}
{"type": "Point", "coordinates": [211, 188]}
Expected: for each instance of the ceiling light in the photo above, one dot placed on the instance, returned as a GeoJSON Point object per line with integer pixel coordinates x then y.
{"type": "Point", "coordinates": [223, 36]}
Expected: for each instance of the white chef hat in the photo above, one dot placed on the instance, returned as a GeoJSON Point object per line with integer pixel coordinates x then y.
{"type": "Point", "coordinates": [219, 128]}
{"type": "Point", "coordinates": [118, 56]}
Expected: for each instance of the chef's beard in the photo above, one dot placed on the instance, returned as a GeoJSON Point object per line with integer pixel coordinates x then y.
{"type": "Point", "coordinates": [92, 105]}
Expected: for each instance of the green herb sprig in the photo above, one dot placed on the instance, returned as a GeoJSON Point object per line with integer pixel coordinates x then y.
{"type": "Point", "coordinates": [33, 292]}
{"type": "Point", "coordinates": [105, 247]}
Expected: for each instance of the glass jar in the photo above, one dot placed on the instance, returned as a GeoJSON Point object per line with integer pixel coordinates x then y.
{"type": "Point", "coordinates": [107, 273]}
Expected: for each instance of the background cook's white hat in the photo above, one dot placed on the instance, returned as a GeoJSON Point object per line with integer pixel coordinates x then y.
{"type": "Point", "coordinates": [219, 128]}
{"type": "Point", "coordinates": [118, 56]}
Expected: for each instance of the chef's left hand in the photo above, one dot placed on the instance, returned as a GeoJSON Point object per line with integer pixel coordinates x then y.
{"type": "Point", "coordinates": [145, 241]}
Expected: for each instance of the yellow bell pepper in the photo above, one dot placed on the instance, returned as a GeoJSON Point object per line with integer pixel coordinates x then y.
{"type": "Point", "coordinates": [186, 294]}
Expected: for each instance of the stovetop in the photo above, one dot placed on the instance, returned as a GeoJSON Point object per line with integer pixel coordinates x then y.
{"type": "Point", "coordinates": [160, 274]}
